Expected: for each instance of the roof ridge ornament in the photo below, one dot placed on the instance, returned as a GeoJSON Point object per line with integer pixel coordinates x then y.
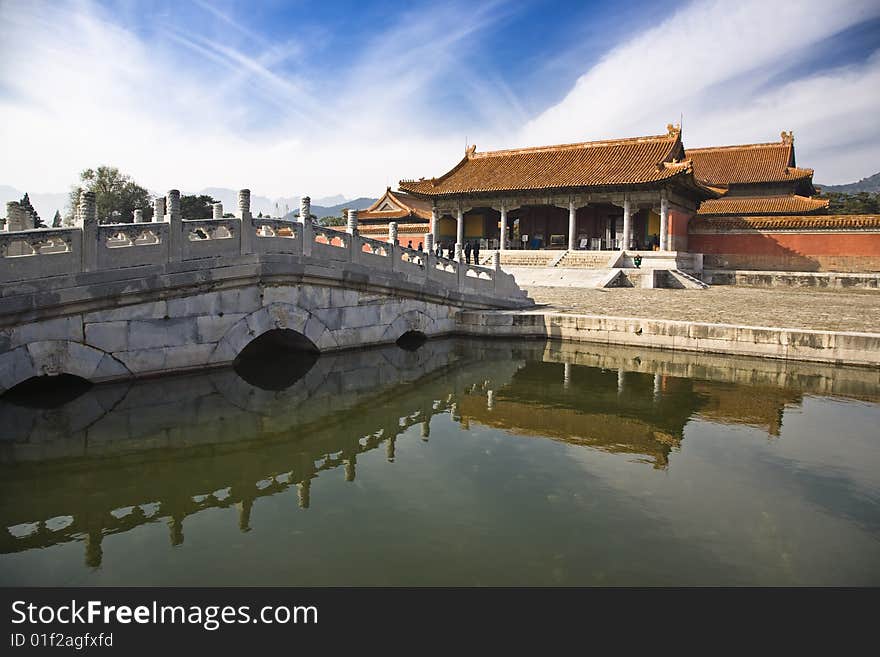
{"type": "Point", "coordinates": [787, 137]}
{"type": "Point", "coordinates": [673, 130]}
{"type": "Point", "coordinates": [470, 150]}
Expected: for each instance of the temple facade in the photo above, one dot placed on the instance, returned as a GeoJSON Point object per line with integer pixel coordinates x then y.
{"type": "Point", "coordinates": [744, 207]}
{"type": "Point", "coordinates": [635, 193]}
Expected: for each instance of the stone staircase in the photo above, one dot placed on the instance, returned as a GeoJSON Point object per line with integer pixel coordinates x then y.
{"type": "Point", "coordinates": [602, 269]}
{"type": "Point", "coordinates": [586, 259]}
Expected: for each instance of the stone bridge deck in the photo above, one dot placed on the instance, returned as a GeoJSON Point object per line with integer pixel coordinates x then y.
{"type": "Point", "coordinates": [117, 301]}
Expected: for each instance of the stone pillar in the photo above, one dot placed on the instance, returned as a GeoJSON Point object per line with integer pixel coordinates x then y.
{"type": "Point", "coordinates": [138, 216]}
{"type": "Point", "coordinates": [435, 220]}
{"type": "Point", "coordinates": [159, 209]}
{"type": "Point", "coordinates": [172, 204]}
{"type": "Point", "coordinates": [627, 226]}
{"type": "Point", "coordinates": [175, 230]}
{"type": "Point", "coordinates": [88, 213]}
{"type": "Point", "coordinates": [458, 253]}
{"type": "Point", "coordinates": [496, 261]}
{"type": "Point", "coordinates": [392, 233]}
{"type": "Point", "coordinates": [352, 227]}
{"type": "Point", "coordinates": [16, 220]}
{"type": "Point", "coordinates": [503, 243]}
{"type": "Point", "coordinates": [305, 218]}
{"type": "Point", "coordinates": [459, 233]}
{"type": "Point", "coordinates": [244, 203]}
{"type": "Point", "coordinates": [572, 225]}
{"type": "Point", "coordinates": [664, 224]}
{"type": "Point", "coordinates": [218, 210]}
{"type": "Point", "coordinates": [247, 226]}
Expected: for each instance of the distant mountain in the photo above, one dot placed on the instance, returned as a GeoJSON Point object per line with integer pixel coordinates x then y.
{"type": "Point", "coordinates": [264, 204]}
{"type": "Point", "coordinates": [328, 201]}
{"type": "Point", "coordinates": [869, 184]}
{"type": "Point", "coordinates": [320, 211]}
{"type": "Point", "coordinates": [45, 203]}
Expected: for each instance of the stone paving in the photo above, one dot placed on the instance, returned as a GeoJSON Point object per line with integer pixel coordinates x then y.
{"type": "Point", "coordinates": [834, 310]}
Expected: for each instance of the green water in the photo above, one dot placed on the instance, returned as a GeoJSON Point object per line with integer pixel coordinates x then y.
{"type": "Point", "coordinates": [459, 463]}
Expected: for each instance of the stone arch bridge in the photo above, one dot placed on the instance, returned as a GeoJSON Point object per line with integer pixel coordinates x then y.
{"type": "Point", "coordinates": [106, 302]}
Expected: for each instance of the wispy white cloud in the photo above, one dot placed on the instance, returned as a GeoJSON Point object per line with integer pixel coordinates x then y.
{"type": "Point", "coordinates": [714, 62]}
{"type": "Point", "coordinates": [80, 86]}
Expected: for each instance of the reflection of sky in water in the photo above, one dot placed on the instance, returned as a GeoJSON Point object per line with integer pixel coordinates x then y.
{"type": "Point", "coordinates": [580, 475]}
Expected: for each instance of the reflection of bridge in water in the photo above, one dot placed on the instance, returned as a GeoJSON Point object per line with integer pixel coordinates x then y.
{"type": "Point", "coordinates": [170, 448]}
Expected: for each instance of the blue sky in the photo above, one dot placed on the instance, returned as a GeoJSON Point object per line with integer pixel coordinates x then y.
{"type": "Point", "coordinates": [320, 98]}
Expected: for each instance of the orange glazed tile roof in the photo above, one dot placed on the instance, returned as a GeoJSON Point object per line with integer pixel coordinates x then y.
{"type": "Point", "coordinates": [747, 163]}
{"type": "Point", "coordinates": [783, 204]}
{"type": "Point", "coordinates": [636, 160]}
{"type": "Point", "coordinates": [808, 222]}
{"type": "Point", "coordinates": [402, 229]}
{"type": "Point", "coordinates": [400, 205]}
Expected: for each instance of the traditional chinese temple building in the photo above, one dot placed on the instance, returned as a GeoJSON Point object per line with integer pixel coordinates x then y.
{"type": "Point", "coordinates": [412, 214]}
{"type": "Point", "coordinates": [744, 207]}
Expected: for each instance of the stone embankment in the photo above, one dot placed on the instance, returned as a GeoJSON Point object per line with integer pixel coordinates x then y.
{"type": "Point", "coordinates": [836, 347]}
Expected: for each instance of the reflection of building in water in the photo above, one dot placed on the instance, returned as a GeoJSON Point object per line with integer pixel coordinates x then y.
{"type": "Point", "coordinates": [163, 450]}
{"type": "Point", "coordinates": [759, 406]}
{"type": "Point", "coordinates": [610, 410]}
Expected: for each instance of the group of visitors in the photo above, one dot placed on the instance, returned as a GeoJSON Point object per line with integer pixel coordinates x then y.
{"type": "Point", "coordinates": [470, 248]}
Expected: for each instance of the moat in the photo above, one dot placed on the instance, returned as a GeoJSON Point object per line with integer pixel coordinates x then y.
{"type": "Point", "coordinates": [453, 462]}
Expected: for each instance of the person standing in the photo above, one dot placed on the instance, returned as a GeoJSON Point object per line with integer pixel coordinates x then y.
{"type": "Point", "coordinates": [476, 252]}
{"type": "Point", "coordinates": [467, 252]}
{"type": "Point", "coordinates": [409, 244]}
{"type": "Point", "coordinates": [419, 246]}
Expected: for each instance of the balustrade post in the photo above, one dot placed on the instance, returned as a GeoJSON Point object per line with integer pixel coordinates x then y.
{"type": "Point", "coordinates": [305, 218]}
{"type": "Point", "coordinates": [175, 230]}
{"type": "Point", "coordinates": [218, 210]}
{"type": "Point", "coordinates": [393, 245]}
{"type": "Point", "coordinates": [429, 252]}
{"type": "Point", "coordinates": [352, 227]}
{"type": "Point", "coordinates": [159, 209]}
{"type": "Point", "coordinates": [138, 216]}
{"type": "Point", "coordinates": [88, 219]}
{"type": "Point", "coordinates": [496, 261]}
{"type": "Point", "coordinates": [247, 224]}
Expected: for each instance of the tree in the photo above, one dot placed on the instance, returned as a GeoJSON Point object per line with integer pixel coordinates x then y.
{"type": "Point", "coordinates": [860, 203]}
{"type": "Point", "coordinates": [332, 221]}
{"type": "Point", "coordinates": [25, 204]}
{"type": "Point", "coordinates": [117, 196]}
{"type": "Point", "coordinates": [197, 207]}
{"type": "Point", "coordinates": [56, 220]}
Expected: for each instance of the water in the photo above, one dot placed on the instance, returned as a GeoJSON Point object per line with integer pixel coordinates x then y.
{"type": "Point", "coordinates": [459, 463]}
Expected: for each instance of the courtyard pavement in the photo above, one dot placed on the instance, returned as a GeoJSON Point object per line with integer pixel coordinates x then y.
{"type": "Point", "coordinates": [834, 310]}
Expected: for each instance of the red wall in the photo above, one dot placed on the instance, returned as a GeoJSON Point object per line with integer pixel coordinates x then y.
{"type": "Point", "coordinates": [846, 244]}
{"type": "Point", "coordinates": [842, 252]}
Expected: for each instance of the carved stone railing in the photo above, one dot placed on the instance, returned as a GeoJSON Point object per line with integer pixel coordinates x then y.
{"type": "Point", "coordinates": [42, 253]}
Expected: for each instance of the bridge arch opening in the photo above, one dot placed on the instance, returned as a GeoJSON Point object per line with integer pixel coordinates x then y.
{"type": "Point", "coordinates": [47, 391]}
{"type": "Point", "coordinates": [411, 340]}
{"type": "Point", "coordinates": [276, 359]}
